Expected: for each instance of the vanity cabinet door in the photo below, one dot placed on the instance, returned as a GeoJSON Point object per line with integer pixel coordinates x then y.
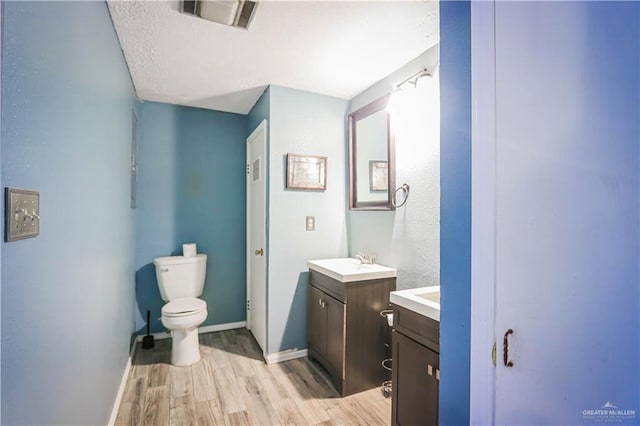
{"type": "Point", "coordinates": [415, 383]}
{"type": "Point", "coordinates": [335, 311]}
{"type": "Point", "coordinates": [316, 320]}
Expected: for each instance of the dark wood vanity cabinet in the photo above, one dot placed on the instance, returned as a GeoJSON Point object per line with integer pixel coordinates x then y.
{"type": "Point", "coordinates": [416, 368]}
{"type": "Point", "coordinates": [326, 336]}
{"type": "Point", "coordinates": [345, 331]}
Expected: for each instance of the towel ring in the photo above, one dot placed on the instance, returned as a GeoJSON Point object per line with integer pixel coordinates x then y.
{"type": "Point", "coordinates": [405, 190]}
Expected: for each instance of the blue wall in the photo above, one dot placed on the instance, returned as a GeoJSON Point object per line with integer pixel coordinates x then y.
{"type": "Point", "coordinates": [67, 295]}
{"type": "Point", "coordinates": [191, 188]}
{"type": "Point", "coordinates": [1, 202]}
{"type": "Point", "coordinates": [455, 210]}
{"type": "Point", "coordinates": [302, 123]}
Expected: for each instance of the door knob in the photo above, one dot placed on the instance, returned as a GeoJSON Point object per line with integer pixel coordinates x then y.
{"type": "Point", "coordinates": [259, 252]}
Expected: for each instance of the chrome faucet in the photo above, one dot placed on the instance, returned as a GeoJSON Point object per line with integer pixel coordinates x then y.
{"type": "Point", "coordinates": [365, 260]}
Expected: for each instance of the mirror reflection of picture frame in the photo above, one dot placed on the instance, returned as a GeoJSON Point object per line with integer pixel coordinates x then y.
{"type": "Point", "coordinates": [378, 176]}
{"type": "Point", "coordinates": [371, 136]}
{"type": "Point", "coordinates": [307, 172]}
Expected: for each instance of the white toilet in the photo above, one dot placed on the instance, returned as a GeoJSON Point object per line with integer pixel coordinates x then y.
{"type": "Point", "coordinates": [181, 281]}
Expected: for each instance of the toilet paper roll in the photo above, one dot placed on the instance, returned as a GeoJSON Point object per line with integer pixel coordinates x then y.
{"type": "Point", "coordinates": [189, 250]}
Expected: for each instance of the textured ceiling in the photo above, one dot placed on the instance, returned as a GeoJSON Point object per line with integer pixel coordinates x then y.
{"type": "Point", "coordinates": [334, 48]}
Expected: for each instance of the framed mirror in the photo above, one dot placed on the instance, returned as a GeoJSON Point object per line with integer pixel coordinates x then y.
{"type": "Point", "coordinates": [371, 157]}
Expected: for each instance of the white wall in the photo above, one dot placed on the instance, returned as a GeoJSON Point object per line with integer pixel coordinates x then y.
{"type": "Point", "coordinates": [302, 123]}
{"type": "Point", "coordinates": [408, 238]}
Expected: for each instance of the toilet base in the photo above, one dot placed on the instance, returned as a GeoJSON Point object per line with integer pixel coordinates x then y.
{"type": "Point", "coordinates": [185, 348]}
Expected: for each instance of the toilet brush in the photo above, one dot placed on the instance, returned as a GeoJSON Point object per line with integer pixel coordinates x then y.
{"type": "Point", "coordinates": [147, 341]}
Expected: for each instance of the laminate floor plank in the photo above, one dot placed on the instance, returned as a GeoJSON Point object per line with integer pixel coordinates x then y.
{"type": "Point", "coordinates": [288, 413]}
{"type": "Point", "coordinates": [129, 414]}
{"type": "Point", "coordinates": [183, 414]}
{"type": "Point", "coordinates": [313, 409]}
{"type": "Point", "coordinates": [179, 402]}
{"type": "Point", "coordinates": [134, 390]}
{"type": "Point", "coordinates": [209, 413]}
{"type": "Point", "coordinates": [156, 406]}
{"type": "Point", "coordinates": [181, 382]}
{"type": "Point", "coordinates": [228, 391]}
{"type": "Point", "coordinates": [318, 384]}
{"type": "Point", "coordinates": [343, 414]}
{"type": "Point", "coordinates": [218, 355]}
{"type": "Point", "coordinates": [273, 388]}
{"type": "Point", "coordinates": [159, 375]}
{"type": "Point", "coordinates": [132, 401]}
{"type": "Point", "coordinates": [359, 405]}
{"type": "Point", "coordinates": [239, 418]}
{"type": "Point", "coordinates": [240, 362]}
{"type": "Point", "coordinates": [204, 388]}
{"type": "Point", "coordinates": [141, 363]}
{"type": "Point", "coordinates": [258, 405]}
{"type": "Point", "coordinates": [232, 385]}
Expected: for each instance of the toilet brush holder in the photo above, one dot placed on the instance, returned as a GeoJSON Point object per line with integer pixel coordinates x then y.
{"type": "Point", "coordinates": [147, 341]}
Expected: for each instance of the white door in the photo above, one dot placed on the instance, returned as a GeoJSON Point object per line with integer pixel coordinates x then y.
{"type": "Point", "coordinates": [256, 234]}
{"type": "Point", "coordinates": [567, 217]}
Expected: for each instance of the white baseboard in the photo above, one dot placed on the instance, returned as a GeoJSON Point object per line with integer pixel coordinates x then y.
{"type": "Point", "coordinates": [204, 329]}
{"type": "Point", "coordinates": [285, 356]}
{"type": "Point", "coordinates": [222, 327]}
{"type": "Point", "coordinates": [123, 385]}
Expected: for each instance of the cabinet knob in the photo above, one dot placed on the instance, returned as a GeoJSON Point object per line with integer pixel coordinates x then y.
{"type": "Point", "coordinates": [438, 374]}
{"type": "Point", "coordinates": [259, 252]}
{"type": "Point", "coordinates": [430, 370]}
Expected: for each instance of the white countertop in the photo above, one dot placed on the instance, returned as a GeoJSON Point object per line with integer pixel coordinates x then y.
{"type": "Point", "coordinates": [349, 270]}
{"type": "Point", "coordinates": [423, 300]}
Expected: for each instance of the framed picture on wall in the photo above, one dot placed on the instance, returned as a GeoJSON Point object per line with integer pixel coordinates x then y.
{"type": "Point", "coordinates": [306, 172]}
{"type": "Point", "coordinates": [378, 176]}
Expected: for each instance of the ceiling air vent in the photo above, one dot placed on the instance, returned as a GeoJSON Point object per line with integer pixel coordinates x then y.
{"type": "Point", "coordinates": [232, 13]}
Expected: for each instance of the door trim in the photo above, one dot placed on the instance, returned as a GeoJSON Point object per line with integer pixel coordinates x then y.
{"type": "Point", "coordinates": [483, 212]}
{"type": "Point", "coordinates": [249, 254]}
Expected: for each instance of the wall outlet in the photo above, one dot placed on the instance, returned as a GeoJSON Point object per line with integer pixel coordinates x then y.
{"type": "Point", "coordinates": [311, 223]}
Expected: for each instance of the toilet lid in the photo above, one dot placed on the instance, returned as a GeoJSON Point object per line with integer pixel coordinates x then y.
{"type": "Point", "coordinates": [183, 306]}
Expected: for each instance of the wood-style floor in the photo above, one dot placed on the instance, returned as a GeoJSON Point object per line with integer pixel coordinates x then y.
{"type": "Point", "coordinates": [232, 385]}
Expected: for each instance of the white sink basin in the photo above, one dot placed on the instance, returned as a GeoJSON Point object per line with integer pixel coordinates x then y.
{"type": "Point", "coordinates": [348, 270]}
{"type": "Point", "coordinates": [423, 300]}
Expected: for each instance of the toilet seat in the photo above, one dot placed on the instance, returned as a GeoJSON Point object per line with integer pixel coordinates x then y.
{"type": "Point", "coordinates": [183, 307]}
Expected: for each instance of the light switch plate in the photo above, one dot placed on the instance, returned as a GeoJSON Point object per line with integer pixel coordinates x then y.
{"type": "Point", "coordinates": [21, 214]}
{"type": "Point", "coordinates": [311, 223]}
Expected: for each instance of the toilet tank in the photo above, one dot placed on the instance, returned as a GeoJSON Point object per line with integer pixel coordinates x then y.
{"type": "Point", "coordinates": [180, 276]}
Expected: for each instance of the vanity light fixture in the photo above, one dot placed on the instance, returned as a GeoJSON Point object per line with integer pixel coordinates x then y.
{"type": "Point", "coordinates": [414, 79]}
{"type": "Point", "coordinates": [397, 93]}
{"type": "Point", "coordinates": [236, 13]}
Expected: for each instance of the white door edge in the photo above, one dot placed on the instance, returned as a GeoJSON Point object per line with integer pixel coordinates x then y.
{"type": "Point", "coordinates": [260, 127]}
{"type": "Point", "coordinates": [483, 213]}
